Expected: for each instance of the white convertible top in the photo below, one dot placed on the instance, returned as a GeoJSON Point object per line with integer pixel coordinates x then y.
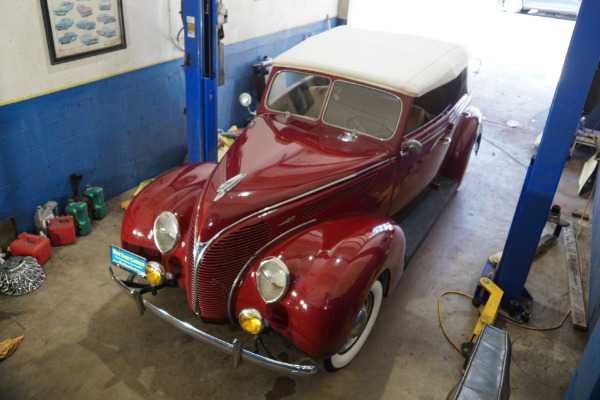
{"type": "Point", "coordinates": [408, 64]}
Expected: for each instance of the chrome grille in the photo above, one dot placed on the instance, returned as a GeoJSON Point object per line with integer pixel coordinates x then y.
{"type": "Point", "coordinates": [221, 264]}
{"type": "Point", "coordinates": [192, 297]}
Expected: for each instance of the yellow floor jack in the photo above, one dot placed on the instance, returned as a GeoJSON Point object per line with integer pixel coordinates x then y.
{"type": "Point", "coordinates": [487, 353]}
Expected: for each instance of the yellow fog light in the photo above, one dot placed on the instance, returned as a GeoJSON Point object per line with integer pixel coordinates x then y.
{"type": "Point", "coordinates": [251, 321]}
{"type": "Point", "coordinates": [155, 273]}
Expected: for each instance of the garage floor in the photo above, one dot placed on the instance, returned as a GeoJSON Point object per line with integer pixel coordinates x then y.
{"type": "Point", "coordinates": [85, 340]}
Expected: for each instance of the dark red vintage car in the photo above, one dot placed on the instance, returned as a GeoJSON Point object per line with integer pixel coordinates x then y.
{"type": "Point", "coordinates": [294, 231]}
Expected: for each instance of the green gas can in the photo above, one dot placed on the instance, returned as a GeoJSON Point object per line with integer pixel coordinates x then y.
{"type": "Point", "coordinates": [78, 209]}
{"type": "Point", "coordinates": [96, 194]}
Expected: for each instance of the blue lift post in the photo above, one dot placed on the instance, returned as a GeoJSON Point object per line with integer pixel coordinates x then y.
{"type": "Point", "coordinates": [546, 168]}
{"type": "Point", "coordinates": [200, 64]}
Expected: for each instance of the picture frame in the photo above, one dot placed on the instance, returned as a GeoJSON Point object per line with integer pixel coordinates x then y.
{"type": "Point", "coordinates": [82, 28]}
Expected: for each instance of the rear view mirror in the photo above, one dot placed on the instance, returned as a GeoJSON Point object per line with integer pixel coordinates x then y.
{"type": "Point", "coordinates": [412, 147]}
{"type": "Point", "coordinates": [246, 100]}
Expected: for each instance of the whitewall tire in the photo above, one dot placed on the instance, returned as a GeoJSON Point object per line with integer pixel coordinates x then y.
{"type": "Point", "coordinates": [357, 339]}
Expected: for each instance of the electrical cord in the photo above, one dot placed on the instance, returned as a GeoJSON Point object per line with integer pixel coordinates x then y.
{"type": "Point", "coordinates": [533, 328]}
{"type": "Point", "coordinates": [173, 39]}
{"type": "Point", "coordinates": [505, 152]}
{"type": "Point", "coordinates": [440, 317]}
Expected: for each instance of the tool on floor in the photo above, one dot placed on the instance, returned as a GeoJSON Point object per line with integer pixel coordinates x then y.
{"type": "Point", "coordinates": [62, 230]}
{"type": "Point", "coordinates": [75, 181]}
{"type": "Point", "coordinates": [96, 195]}
{"type": "Point", "coordinates": [20, 275]}
{"type": "Point", "coordinates": [79, 211]}
{"type": "Point", "coordinates": [549, 240]}
{"type": "Point", "coordinates": [487, 316]}
{"type": "Point", "coordinates": [34, 246]}
{"type": "Point", "coordinates": [42, 215]}
{"type": "Point", "coordinates": [487, 372]}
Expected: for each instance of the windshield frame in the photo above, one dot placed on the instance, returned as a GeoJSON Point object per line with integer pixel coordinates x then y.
{"type": "Point", "coordinates": [307, 73]}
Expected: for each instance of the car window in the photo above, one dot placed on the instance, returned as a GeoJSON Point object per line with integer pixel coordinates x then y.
{"type": "Point", "coordinates": [430, 105]}
{"type": "Point", "coordinates": [298, 93]}
{"type": "Point", "coordinates": [363, 109]}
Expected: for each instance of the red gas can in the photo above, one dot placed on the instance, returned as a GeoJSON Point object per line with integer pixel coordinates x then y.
{"type": "Point", "coordinates": [32, 245]}
{"type": "Point", "coordinates": [62, 230]}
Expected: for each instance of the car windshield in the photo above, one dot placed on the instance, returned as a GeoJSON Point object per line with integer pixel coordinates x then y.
{"type": "Point", "coordinates": [363, 109]}
{"type": "Point", "coordinates": [298, 93]}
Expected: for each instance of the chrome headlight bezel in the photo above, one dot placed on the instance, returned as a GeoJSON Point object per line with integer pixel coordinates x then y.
{"type": "Point", "coordinates": [270, 269]}
{"type": "Point", "coordinates": [158, 235]}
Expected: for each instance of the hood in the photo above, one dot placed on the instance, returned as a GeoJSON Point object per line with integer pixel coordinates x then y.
{"type": "Point", "coordinates": [280, 158]}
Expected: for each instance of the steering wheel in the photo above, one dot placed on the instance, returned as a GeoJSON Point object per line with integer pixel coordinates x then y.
{"type": "Point", "coordinates": [354, 120]}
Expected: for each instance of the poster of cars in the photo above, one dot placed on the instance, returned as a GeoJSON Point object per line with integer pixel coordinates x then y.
{"type": "Point", "coordinates": [82, 28]}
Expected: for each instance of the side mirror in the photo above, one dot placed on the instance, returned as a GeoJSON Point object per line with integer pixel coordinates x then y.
{"type": "Point", "coordinates": [246, 100]}
{"type": "Point", "coordinates": [412, 147]}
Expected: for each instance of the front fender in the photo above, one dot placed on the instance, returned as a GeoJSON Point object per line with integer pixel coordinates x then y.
{"type": "Point", "coordinates": [176, 191]}
{"type": "Point", "coordinates": [332, 266]}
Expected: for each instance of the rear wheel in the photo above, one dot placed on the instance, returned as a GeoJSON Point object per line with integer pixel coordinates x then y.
{"type": "Point", "coordinates": [362, 327]}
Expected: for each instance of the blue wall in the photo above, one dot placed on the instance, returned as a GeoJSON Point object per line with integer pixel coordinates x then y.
{"type": "Point", "coordinates": [117, 131]}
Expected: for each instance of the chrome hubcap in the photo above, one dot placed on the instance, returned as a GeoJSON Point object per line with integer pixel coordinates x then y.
{"type": "Point", "coordinates": [359, 324]}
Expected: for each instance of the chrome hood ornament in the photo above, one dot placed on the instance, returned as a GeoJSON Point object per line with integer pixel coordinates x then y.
{"type": "Point", "coordinates": [228, 185]}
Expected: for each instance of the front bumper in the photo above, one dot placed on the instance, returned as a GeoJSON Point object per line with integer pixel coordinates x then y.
{"type": "Point", "coordinates": [235, 349]}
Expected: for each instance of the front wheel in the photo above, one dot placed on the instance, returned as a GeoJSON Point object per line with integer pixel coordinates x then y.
{"type": "Point", "coordinates": [360, 331]}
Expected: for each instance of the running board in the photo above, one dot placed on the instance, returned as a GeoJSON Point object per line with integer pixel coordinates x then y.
{"type": "Point", "coordinates": [419, 222]}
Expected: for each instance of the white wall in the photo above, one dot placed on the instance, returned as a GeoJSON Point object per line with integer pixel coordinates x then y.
{"type": "Point", "coordinates": [25, 65]}
{"type": "Point", "coordinates": [251, 18]}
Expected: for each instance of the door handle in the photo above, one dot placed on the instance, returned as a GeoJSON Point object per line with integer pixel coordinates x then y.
{"type": "Point", "coordinates": [447, 140]}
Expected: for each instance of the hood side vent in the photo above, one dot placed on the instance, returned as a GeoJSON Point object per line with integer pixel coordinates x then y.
{"type": "Point", "coordinates": [338, 196]}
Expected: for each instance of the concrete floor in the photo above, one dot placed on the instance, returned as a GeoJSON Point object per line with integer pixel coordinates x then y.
{"type": "Point", "coordinates": [85, 340]}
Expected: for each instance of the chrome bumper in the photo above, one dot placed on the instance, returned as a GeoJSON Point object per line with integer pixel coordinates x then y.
{"type": "Point", "coordinates": [235, 348]}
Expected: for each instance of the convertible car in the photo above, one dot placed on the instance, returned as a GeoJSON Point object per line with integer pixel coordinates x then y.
{"type": "Point", "coordinates": [295, 231]}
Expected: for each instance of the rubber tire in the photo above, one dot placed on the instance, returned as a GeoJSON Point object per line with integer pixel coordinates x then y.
{"type": "Point", "coordinates": [339, 361]}
{"type": "Point", "coordinates": [513, 6]}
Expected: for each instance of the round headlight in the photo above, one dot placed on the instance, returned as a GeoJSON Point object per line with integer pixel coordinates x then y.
{"type": "Point", "coordinates": [166, 232]}
{"type": "Point", "coordinates": [272, 279]}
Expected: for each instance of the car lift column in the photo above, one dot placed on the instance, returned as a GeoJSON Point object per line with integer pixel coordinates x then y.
{"type": "Point", "coordinates": [546, 168]}
{"type": "Point", "coordinates": [200, 65]}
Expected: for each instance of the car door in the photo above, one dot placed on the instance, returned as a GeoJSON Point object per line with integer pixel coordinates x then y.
{"type": "Point", "coordinates": [416, 171]}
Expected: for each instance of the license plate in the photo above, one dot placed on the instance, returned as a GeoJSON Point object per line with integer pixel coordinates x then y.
{"type": "Point", "coordinates": [127, 260]}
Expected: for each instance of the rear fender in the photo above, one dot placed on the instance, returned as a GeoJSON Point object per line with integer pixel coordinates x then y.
{"type": "Point", "coordinates": [466, 136]}
{"type": "Point", "coordinates": [332, 266]}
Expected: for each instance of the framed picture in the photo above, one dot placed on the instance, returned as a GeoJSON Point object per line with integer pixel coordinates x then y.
{"type": "Point", "coordinates": [82, 28]}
